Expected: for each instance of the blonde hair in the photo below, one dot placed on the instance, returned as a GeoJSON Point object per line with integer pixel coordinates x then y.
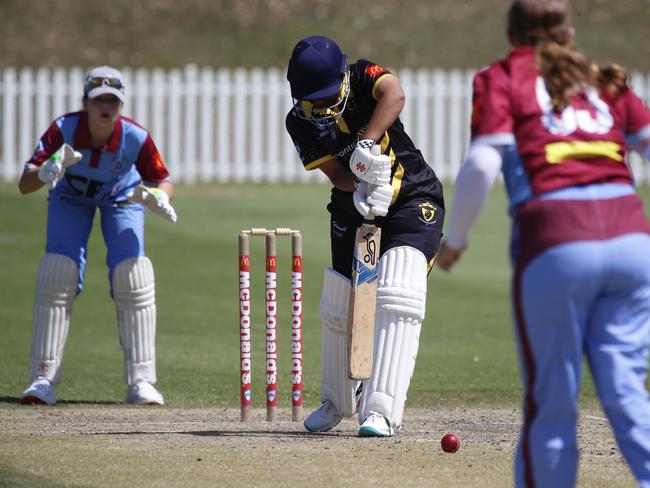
{"type": "Point", "coordinates": [546, 24]}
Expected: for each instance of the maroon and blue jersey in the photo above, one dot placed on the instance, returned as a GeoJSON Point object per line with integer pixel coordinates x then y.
{"type": "Point", "coordinates": [105, 175]}
{"type": "Point", "coordinates": [411, 176]}
{"type": "Point", "coordinates": [581, 249]}
{"type": "Point", "coordinates": [584, 144]}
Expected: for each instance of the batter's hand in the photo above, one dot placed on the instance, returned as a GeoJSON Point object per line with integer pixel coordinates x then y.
{"type": "Point", "coordinates": [372, 199]}
{"type": "Point", "coordinates": [359, 198]}
{"type": "Point", "coordinates": [53, 169]}
{"type": "Point", "coordinates": [447, 257]}
{"type": "Point", "coordinates": [369, 167]}
{"type": "Point", "coordinates": [154, 199]}
{"type": "Point", "coordinates": [379, 198]}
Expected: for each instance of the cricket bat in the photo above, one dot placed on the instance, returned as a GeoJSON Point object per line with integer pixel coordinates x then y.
{"type": "Point", "coordinates": [363, 298]}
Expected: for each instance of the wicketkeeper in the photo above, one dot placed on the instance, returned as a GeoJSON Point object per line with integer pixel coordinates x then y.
{"type": "Point", "coordinates": [340, 111]}
{"type": "Point", "coordinates": [96, 159]}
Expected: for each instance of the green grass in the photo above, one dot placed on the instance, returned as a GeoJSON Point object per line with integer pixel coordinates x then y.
{"type": "Point", "coordinates": [466, 354]}
{"type": "Point", "coordinates": [411, 33]}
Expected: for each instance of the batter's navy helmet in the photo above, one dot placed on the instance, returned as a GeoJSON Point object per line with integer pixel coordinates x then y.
{"type": "Point", "coordinates": [316, 69]}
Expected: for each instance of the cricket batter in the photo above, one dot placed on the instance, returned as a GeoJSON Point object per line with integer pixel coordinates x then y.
{"type": "Point", "coordinates": [340, 111]}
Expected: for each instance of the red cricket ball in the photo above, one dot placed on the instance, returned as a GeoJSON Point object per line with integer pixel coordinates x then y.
{"type": "Point", "coordinates": [450, 442]}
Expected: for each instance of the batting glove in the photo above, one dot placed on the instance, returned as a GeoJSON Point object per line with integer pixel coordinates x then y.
{"type": "Point", "coordinates": [379, 199]}
{"type": "Point", "coordinates": [371, 199]}
{"type": "Point", "coordinates": [368, 164]}
{"type": "Point", "coordinates": [154, 199]}
{"type": "Point", "coordinates": [53, 169]}
{"type": "Point", "coordinates": [359, 198]}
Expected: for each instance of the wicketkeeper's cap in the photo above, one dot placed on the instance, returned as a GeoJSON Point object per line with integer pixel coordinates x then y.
{"type": "Point", "coordinates": [104, 80]}
{"type": "Point", "coordinates": [316, 69]}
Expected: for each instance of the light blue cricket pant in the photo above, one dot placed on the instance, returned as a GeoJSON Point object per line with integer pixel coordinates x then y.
{"type": "Point", "coordinates": [588, 297]}
{"type": "Point", "coordinates": [69, 225]}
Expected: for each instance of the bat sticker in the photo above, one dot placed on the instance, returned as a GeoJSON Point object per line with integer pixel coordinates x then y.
{"type": "Point", "coordinates": [370, 255]}
{"type": "Point", "coordinates": [365, 274]}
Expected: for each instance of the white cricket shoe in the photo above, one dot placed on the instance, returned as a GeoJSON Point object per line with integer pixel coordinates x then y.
{"type": "Point", "coordinates": [40, 392]}
{"type": "Point", "coordinates": [143, 393]}
{"type": "Point", "coordinates": [323, 419]}
{"type": "Point", "coordinates": [376, 425]}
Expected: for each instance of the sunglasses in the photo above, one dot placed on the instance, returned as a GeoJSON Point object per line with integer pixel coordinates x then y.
{"type": "Point", "coordinates": [93, 83]}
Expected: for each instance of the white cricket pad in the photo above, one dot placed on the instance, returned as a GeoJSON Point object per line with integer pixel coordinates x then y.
{"type": "Point", "coordinates": [135, 302]}
{"type": "Point", "coordinates": [335, 385]}
{"type": "Point", "coordinates": [56, 288]}
{"type": "Point", "coordinates": [401, 303]}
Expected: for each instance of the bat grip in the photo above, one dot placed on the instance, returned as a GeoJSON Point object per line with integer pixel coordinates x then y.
{"type": "Point", "coordinates": [369, 219]}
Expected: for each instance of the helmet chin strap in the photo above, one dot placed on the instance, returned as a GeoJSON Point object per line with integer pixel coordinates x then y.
{"type": "Point", "coordinates": [325, 117]}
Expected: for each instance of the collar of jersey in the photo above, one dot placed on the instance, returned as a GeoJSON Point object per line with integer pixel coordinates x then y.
{"type": "Point", "coordinates": [82, 135]}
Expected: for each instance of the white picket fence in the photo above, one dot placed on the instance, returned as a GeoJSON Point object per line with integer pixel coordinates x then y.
{"type": "Point", "coordinates": [227, 125]}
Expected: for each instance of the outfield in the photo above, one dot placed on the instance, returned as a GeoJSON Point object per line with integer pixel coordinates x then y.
{"type": "Point", "coordinates": [467, 360]}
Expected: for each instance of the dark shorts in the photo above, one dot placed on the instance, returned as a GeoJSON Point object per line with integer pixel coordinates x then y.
{"type": "Point", "coordinates": [416, 223]}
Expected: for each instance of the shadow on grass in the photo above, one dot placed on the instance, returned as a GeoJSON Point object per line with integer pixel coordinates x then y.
{"type": "Point", "coordinates": [265, 433]}
{"type": "Point", "coordinates": [16, 401]}
{"type": "Point", "coordinates": [11, 477]}
{"type": "Point", "coordinates": [237, 433]}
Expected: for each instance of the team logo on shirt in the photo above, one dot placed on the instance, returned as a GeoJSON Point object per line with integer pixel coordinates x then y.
{"type": "Point", "coordinates": [346, 151]}
{"type": "Point", "coordinates": [374, 70]}
{"type": "Point", "coordinates": [428, 212]}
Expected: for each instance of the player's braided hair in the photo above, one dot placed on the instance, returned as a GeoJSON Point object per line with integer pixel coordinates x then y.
{"type": "Point", "coordinates": [546, 24]}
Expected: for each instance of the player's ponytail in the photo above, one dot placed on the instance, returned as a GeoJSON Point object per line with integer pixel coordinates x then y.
{"type": "Point", "coordinates": [612, 78]}
{"type": "Point", "coordinates": [565, 71]}
{"type": "Point", "coordinates": [546, 25]}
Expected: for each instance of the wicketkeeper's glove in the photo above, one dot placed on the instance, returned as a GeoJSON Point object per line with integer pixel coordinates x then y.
{"type": "Point", "coordinates": [153, 199]}
{"type": "Point", "coordinates": [52, 170]}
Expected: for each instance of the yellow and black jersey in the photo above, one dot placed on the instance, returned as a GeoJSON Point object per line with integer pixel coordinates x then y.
{"type": "Point", "coordinates": [411, 176]}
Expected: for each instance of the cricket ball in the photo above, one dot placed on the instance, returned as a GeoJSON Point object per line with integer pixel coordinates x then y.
{"type": "Point", "coordinates": [450, 442]}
